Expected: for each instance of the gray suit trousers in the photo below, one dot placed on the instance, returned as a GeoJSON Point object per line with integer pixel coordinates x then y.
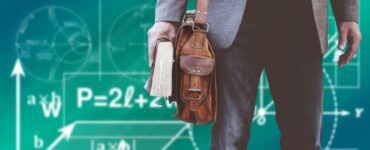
{"type": "Point", "coordinates": [287, 50]}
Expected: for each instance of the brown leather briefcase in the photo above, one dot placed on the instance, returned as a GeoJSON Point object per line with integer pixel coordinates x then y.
{"type": "Point", "coordinates": [194, 86]}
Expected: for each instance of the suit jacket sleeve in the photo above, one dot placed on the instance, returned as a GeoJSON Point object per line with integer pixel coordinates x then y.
{"type": "Point", "coordinates": [345, 10]}
{"type": "Point", "coordinates": [170, 10]}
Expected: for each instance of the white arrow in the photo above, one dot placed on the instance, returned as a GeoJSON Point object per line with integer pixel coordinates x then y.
{"type": "Point", "coordinates": [342, 113]}
{"type": "Point", "coordinates": [18, 73]}
{"type": "Point", "coordinates": [66, 133]}
{"type": "Point", "coordinates": [264, 113]}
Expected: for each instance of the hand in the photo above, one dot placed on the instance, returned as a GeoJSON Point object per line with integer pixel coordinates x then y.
{"type": "Point", "coordinates": [159, 29]}
{"type": "Point", "coordinates": [350, 31]}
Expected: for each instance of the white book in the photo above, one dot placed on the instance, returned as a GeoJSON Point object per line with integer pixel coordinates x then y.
{"type": "Point", "coordinates": [160, 80]}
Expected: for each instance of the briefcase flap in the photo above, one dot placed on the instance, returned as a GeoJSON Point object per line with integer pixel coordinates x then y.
{"type": "Point", "coordinates": [197, 65]}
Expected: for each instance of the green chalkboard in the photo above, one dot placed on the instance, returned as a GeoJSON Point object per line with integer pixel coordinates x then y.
{"type": "Point", "coordinates": [85, 64]}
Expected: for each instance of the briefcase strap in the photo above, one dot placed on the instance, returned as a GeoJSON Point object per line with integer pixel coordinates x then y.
{"type": "Point", "coordinates": [201, 13]}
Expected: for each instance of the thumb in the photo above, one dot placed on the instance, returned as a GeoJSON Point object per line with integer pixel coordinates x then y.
{"type": "Point", "coordinates": [172, 35]}
{"type": "Point", "coordinates": [342, 39]}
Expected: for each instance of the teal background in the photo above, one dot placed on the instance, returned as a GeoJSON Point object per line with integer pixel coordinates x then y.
{"type": "Point", "coordinates": [115, 52]}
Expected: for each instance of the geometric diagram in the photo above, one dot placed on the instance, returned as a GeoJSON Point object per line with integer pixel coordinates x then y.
{"type": "Point", "coordinates": [131, 135]}
{"type": "Point", "coordinates": [52, 40]}
{"type": "Point", "coordinates": [348, 76]}
{"type": "Point", "coordinates": [331, 112]}
{"type": "Point", "coordinates": [127, 40]}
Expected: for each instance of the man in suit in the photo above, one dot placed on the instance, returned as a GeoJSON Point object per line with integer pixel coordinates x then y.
{"type": "Point", "coordinates": [286, 38]}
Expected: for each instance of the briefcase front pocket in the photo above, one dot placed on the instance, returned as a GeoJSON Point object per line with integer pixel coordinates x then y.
{"type": "Point", "coordinates": [196, 86]}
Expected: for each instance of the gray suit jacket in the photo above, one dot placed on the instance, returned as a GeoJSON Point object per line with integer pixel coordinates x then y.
{"type": "Point", "coordinates": [227, 15]}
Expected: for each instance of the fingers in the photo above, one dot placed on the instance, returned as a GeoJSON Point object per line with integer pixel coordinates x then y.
{"type": "Point", "coordinates": [354, 39]}
{"type": "Point", "coordinates": [342, 59]}
{"type": "Point", "coordinates": [159, 29]}
{"type": "Point", "coordinates": [343, 33]}
{"type": "Point", "coordinates": [172, 35]}
{"type": "Point", "coordinates": [151, 46]}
